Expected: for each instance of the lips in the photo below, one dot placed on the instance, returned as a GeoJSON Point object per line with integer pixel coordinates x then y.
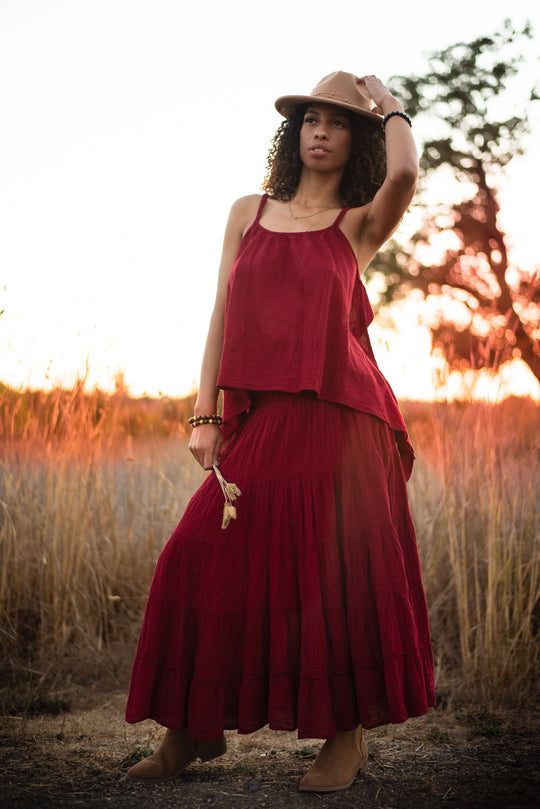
{"type": "Point", "coordinates": [318, 147]}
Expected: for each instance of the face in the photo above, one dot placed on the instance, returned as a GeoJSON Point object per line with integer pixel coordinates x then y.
{"type": "Point", "coordinates": [325, 137]}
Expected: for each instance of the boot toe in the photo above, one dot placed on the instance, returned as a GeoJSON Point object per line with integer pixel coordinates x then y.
{"type": "Point", "coordinates": [176, 752]}
{"type": "Point", "coordinates": [337, 764]}
{"type": "Point", "coordinates": [322, 782]}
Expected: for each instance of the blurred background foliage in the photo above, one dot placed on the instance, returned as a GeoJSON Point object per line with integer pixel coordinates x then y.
{"type": "Point", "coordinates": [478, 122]}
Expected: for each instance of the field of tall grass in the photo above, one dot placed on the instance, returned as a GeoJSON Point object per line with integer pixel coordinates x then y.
{"type": "Point", "coordinates": [91, 486]}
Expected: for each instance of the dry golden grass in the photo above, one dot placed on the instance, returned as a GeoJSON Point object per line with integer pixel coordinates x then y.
{"type": "Point", "coordinates": [84, 512]}
{"type": "Point", "coordinates": [85, 509]}
{"type": "Point", "coordinates": [475, 498]}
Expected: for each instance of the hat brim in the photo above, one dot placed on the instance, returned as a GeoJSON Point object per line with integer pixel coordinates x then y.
{"type": "Point", "coordinates": [286, 104]}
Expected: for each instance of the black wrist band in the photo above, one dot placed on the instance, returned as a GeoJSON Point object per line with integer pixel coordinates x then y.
{"type": "Point", "coordinates": [396, 112]}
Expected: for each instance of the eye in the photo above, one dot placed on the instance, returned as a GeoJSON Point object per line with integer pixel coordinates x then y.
{"type": "Point", "coordinates": [309, 119]}
{"type": "Point", "coordinates": [338, 122]}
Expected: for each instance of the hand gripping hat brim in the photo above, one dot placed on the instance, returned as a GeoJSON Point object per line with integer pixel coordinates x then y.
{"type": "Point", "coordinates": [339, 88]}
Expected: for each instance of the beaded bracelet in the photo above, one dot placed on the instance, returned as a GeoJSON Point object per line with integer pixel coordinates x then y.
{"type": "Point", "coordinates": [396, 112]}
{"type": "Point", "coordinates": [196, 421]}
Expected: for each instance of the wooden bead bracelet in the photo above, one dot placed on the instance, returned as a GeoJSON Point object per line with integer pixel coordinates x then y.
{"type": "Point", "coordinates": [196, 421]}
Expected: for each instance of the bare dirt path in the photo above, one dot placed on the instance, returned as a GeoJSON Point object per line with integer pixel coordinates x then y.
{"type": "Point", "coordinates": [450, 758]}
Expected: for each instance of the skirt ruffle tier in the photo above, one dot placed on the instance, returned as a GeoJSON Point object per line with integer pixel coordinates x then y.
{"type": "Point", "coordinates": [308, 611]}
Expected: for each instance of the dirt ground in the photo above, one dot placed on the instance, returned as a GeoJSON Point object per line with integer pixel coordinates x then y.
{"type": "Point", "coordinates": [450, 758]}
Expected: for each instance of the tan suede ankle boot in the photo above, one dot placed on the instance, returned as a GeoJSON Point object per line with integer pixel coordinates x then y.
{"type": "Point", "coordinates": [337, 763]}
{"type": "Point", "coordinates": [175, 753]}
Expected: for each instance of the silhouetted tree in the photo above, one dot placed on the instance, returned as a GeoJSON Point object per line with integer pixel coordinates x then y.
{"type": "Point", "coordinates": [461, 96]}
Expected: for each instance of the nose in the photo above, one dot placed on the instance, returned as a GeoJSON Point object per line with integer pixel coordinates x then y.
{"type": "Point", "coordinates": [321, 132]}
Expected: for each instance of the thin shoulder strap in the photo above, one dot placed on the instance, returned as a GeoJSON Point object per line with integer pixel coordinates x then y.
{"type": "Point", "coordinates": [340, 216]}
{"type": "Point", "coordinates": [261, 206]}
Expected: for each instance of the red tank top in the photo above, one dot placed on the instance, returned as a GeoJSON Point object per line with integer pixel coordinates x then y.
{"type": "Point", "coordinates": [296, 319]}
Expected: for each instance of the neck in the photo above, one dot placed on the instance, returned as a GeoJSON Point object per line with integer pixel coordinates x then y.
{"type": "Point", "coordinates": [318, 191]}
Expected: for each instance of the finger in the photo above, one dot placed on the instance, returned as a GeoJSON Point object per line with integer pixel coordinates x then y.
{"type": "Point", "coordinates": [216, 452]}
{"type": "Point", "coordinates": [206, 460]}
{"type": "Point", "coordinates": [196, 454]}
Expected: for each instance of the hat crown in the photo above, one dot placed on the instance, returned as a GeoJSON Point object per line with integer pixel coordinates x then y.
{"type": "Point", "coordinates": [339, 88]}
{"type": "Point", "coordinates": [342, 88]}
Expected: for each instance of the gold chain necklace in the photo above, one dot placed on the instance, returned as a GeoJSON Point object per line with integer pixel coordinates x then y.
{"type": "Point", "coordinates": [309, 215]}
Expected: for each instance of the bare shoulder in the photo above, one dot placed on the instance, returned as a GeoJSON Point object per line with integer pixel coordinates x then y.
{"type": "Point", "coordinates": [248, 202]}
{"type": "Point", "coordinates": [353, 224]}
{"type": "Point", "coordinates": [356, 216]}
{"type": "Point", "coordinates": [243, 212]}
{"type": "Point", "coordinates": [355, 228]}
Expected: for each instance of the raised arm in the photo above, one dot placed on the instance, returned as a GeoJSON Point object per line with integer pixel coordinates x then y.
{"type": "Point", "coordinates": [206, 440]}
{"type": "Point", "coordinates": [386, 210]}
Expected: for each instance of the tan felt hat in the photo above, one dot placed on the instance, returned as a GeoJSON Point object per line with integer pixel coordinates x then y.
{"type": "Point", "coordinates": [339, 88]}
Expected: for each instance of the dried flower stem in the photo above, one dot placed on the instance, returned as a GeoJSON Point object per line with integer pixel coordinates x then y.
{"type": "Point", "coordinates": [230, 492]}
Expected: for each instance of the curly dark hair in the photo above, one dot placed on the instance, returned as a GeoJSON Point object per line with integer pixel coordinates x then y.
{"type": "Point", "coordinates": [363, 175]}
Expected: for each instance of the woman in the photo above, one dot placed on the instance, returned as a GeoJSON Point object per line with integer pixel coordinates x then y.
{"type": "Point", "coordinates": [307, 611]}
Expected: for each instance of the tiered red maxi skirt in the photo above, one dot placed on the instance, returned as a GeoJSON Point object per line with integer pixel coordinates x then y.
{"type": "Point", "coordinates": [308, 611]}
